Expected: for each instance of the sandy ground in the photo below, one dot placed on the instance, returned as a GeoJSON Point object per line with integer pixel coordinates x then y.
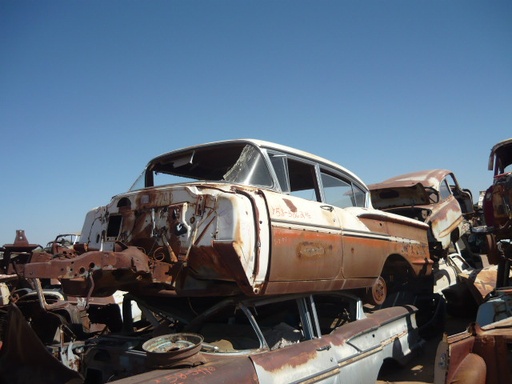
{"type": "Point", "coordinates": [421, 369]}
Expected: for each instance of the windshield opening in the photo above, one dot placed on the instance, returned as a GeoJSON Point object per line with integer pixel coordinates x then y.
{"type": "Point", "coordinates": [239, 163]}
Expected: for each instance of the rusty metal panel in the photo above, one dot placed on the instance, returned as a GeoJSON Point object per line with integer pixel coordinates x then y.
{"type": "Point", "coordinates": [309, 361]}
{"type": "Point", "coordinates": [234, 370]}
{"type": "Point", "coordinates": [95, 272]}
{"type": "Point", "coordinates": [480, 282]}
{"type": "Point", "coordinates": [182, 232]}
{"type": "Point", "coordinates": [299, 254]}
{"type": "Point", "coordinates": [306, 240]}
{"type": "Point", "coordinates": [488, 348]}
{"type": "Point", "coordinates": [353, 352]}
{"type": "Point", "coordinates": [25, 359]}
{"type": "Point", "coordinates": [130, 259]}
{"type": "Point", "coordinates": [444, 219]}
{"type": "Point", "coordinates": [365, 251]}
{"type": "Point", "coordinates": [501, 197]}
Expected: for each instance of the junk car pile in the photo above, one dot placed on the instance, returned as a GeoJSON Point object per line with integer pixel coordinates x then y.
{"type": "Point", "coordinates": [234, 261]}
{"type": "Point", "coordinates": [483, 352]}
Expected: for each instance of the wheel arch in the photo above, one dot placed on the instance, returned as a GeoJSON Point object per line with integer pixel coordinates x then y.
{"type": "Point", "coordinates": [396, 271]}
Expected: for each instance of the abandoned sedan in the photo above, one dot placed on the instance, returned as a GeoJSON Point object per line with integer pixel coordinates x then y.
{"type": "Point", "coordinates": [242, 217]}
{"type": "Point", "coordinates": [431, 196]}
{"type": "Point", "coordinates": [280, 339]}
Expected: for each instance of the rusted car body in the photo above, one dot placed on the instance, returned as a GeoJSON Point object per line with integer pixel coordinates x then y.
{"type": "Point", "coordinates": [241, 217]}
{"type": "Point", "coordinates": [432, 196]}
{"type": "Point", "coordinates": [497, 208]}
{"type": "Point", "coordinates": [479, 355]}
{"type": "Point", "coordinates": [62, 243]}
{"type": "Point", "coordinates": [325, 338]}
{"type": "Point", "coordinates": [498, 198]}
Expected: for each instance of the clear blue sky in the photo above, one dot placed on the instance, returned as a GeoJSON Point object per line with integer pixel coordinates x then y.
{"type": "Point", "coordinates": [91, 90]}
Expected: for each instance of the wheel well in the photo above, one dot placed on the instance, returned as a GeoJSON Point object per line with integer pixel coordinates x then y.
{"type": "Point", "coordinates": [455, 235]}
{"type": "Point", "coordinates": [396, 271]}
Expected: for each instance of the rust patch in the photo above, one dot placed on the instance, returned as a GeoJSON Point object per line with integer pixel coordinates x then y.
{"type": "Point", "coordinates": [312, 250]}
{"type": "Point", "coordinates": [274, 362]}
{"type": "Point", "coordinates": [304, 255]}
{"type": "Point", "coordinates": [490, 343]}
{"type": "Point", "coordinates": [481, 282]}
{"type": "Point", "coordinates": [290, 205]}
{"type": "Point", "coordinates": [107, 271]}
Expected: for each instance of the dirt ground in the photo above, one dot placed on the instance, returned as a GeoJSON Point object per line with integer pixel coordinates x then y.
{"type": "Point", "coordinates": [421, 368]}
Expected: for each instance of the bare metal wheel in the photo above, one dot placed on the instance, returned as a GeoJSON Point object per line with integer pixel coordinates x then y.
{"type": "Point", "coordinates": [378, 292]}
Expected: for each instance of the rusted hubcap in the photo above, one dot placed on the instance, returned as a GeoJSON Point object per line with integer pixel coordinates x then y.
{"type": "Point", "coordinates": [379, 291]}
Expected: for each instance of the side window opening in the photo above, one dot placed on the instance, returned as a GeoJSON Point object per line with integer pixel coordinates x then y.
{"type": "Point", "coordinates": [278, 161]}
{"type": "Point", "coordinates": [341, 193]}
{"type": "Point", "coordinates": [444, 190]}
{"type": "Point", "coordinates": [303, 182]}
{"type": "Point", "coordinates": [337, 192]}
{"type": "Point", "coordinates": [270, 326]}
{"type": "Point", "coordinates": [334, 311]}
{"type": "Point", "coordinates": [359, 196]}
{"type": "Point", "coordinates": [309, 318]}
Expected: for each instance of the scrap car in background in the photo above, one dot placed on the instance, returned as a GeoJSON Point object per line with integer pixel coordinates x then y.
{"type": "Point", "coordinates": [498, 197]}
{"type": "Point", "coordinates": [241, 217]}
{"type": "Point", "coordinates": [478, 355]}
{"type": "Point", "coordinates": [462, 277]}
{"type": "Point", "coordinates": [483, 352]}
{"type": "Point", "coordinates": [497, 207]}
{"type": "Point", "coordinates": [62, 243]}
{"type": "Point", "coordinates": [432, 196]}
